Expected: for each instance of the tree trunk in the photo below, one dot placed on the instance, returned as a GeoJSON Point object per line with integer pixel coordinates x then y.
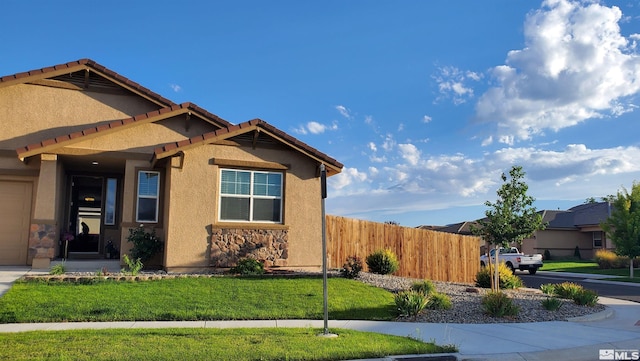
{"type": "Point", "coordinates": [631, 267]}
{"type": "Point", "coordinates": [496, 273]}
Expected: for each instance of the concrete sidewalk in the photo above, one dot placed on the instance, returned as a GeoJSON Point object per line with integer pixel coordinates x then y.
{"type": "Point", "coordinates": [616, 328]}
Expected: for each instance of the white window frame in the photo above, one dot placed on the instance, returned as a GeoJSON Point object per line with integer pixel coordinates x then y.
{"type": "Point", "coordinates": [601, 239]}
{"type": "Point", "coordinates": [156, 197]}
{"type": "Point", "coordinates": [251, 196]}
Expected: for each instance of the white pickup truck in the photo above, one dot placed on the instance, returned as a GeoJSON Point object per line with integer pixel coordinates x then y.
{"type": "Point", "coordinates": [514, 259]}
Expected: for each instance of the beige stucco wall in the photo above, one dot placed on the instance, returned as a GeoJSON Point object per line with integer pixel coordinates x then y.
{"type": "Point", "coordinates": [31, 113]}
{"type": "Point", "coordinates": [144, 138]}
{"type": "Point", "coordinates": [562, 243]}
{"type": "Point", "coordinates": [194, 197]}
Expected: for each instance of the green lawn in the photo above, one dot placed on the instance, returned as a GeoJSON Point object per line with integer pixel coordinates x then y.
{"type": "Point", "coordinates": [204, 298]}
{"type": "Point", "coordinates": [588, 266]}
{"type": "Point", "coordinates": [207, 344]}
{"type": "Point", "coordinates": [215, 298]}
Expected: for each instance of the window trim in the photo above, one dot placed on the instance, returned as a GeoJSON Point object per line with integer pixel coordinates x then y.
{"type": "Point", "coordinates": [157, 197]}
{"type": "Point", "coordinates": [601, 239]}
{"type": "Point", "coordinates": [251, 196]}
{"type": "Point", "coordinates": [114, 195]}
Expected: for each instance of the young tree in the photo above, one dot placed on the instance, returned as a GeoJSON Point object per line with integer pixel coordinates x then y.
{"type": "Point", "coordinates": [512, 218]}
{"type": "Point", "coordinates": [623, 225]}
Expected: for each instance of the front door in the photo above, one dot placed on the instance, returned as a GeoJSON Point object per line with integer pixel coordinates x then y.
{"type": "Point", "coordinates": [85, 218]}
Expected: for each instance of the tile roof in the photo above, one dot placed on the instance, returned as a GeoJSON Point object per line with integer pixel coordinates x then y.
{"type": "Point", "coordinates": [163, 113]}
{"type": "Point", "coordinates": [242, 128]}
{"type": "Point", "coordinates": [168, 109]}
{"type": "Point", "coordinates": [81, 64]}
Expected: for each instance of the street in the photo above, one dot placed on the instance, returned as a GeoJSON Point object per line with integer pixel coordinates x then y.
{"type": "Point", "coordinates": [623, 292]}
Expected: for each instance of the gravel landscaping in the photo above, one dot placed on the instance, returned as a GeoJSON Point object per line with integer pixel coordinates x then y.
{"type": "Point", "coordinates": [467, 307]}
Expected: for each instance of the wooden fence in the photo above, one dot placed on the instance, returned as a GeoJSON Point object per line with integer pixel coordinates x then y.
{"type": "Point", "coordinates": [423, 254]}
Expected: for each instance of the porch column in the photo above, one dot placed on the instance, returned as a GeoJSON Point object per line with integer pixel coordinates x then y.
{"type": "Point", "coordinates": [43, 232]}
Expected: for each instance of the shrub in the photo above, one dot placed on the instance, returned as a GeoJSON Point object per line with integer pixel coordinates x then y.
{"type": "Point", "coordinates": [439, 301]}
{"type": "Point", "coordinates": [145, 244]}
{"type": "Point", "coordinates": [547, 255]}
{"type": "Point", "coordinates": [567, 290]}
{"type": "Point", "coordinates": [585, 298]}
{"type": "Point", "coordinates": [552, 303]}
{"type": "Point", "coordinates": [548, 288]}
{"type": "Point", "coordinates": [382, 262]}
{"type": "Point", "coordinates": [58, 269]}
{"type": "Point", "coordinates": [607, 259]}
{"type": "Point", "coordinates": [506, 277]}
{"type": "Point", "coordinates": [134, 266]}
{"type": "Point", "coordinates": [576, 253]}
{"type": "Point", "coordinates": [410, 303]}
{"type": "Point", "coordinates": [248, 266]}
{"type": "Point", "coordinates": [352, 267]}
{"type": "Point", "coordinates": [498, 304]}
{"type": "Point", "coordinates": [425, 287]}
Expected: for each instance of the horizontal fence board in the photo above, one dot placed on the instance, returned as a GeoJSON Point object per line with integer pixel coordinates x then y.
{"type": "Point", "coordinates": [423, 253]}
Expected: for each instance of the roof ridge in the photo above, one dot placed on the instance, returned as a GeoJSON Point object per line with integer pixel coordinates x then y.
{"type": "Point", "coordinates": [91, 64]}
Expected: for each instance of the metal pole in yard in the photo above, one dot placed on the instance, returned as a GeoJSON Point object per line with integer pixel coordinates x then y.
{"type": "Point", "coordinates": [323, 180]}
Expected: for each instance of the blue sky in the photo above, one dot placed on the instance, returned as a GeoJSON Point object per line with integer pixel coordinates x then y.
{"type": "Point", "coordinates": [425, 102]}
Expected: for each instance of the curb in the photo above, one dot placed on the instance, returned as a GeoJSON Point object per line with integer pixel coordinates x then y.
{"type": "Point", "coordinates": [599, 316]}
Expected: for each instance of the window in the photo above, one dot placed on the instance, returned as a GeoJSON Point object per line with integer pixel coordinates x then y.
{"type": "Point", "coordinates": [110, 205]}
{"type": "Point", "coordinates": [250, 196]}
{"type": "Point", "coordinates": [148, 189]}
{"type": "Point", "coordinates": [597, 239]}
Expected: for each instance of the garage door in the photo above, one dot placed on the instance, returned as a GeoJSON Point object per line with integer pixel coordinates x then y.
{"type": "Point", "coordinates": [15, 213]}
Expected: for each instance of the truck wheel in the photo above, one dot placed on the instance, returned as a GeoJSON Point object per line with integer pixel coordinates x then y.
{"type": "Point", "coordinates": [513, 270]}
{"type": "Point", "coordinates": [533, 271]}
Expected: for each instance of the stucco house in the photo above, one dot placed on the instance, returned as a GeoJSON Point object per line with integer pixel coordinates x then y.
{"type": "Point", "coordinates": [87, 154]}
{"type": "Point", "coordinates": [578, 226]}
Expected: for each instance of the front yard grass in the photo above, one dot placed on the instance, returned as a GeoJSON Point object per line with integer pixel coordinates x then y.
{"type": "Point", "coordinates": [591, 267]}
{"type": "Point", "coordinates": [215, 298]}
{"type": "Point", "coordinates": [202, 298]}
{"type": "Point", "coordinates": [207, 344]}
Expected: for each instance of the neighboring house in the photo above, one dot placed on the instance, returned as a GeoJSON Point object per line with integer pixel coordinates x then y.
{"type": "Point", "coordinates": [579, 226]}
{"type": "Point", "coordinates": [87, 154]}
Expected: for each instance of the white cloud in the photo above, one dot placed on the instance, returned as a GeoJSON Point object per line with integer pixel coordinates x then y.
{"type": "Point", "coordinates": [420, 182]}
{"type": "Point", "coordinates": [400, 127]}
{"type": "Point", "coordinates": [388, 143]}
{"type": "Point", "coordinates": [576, 66]}
{"type": "Point", "coordinates": [452, 84]}
{"type": "Point", "coordinates": [314, 127]}
{"type": "Point", "coordinates": [344, 111]}
{"type": "Point", "coordinates": [426, 119]}
{"type": "Point", "coordinates": [175, 87]}
{"type": "Point", "coordinates": [368, 119]}
{"type": "Point", "coordinates": [372, 146]}
{"type": "Point", "coordinates": [347, 177]}
{"type": "Point", "coordinates": [410, 153]}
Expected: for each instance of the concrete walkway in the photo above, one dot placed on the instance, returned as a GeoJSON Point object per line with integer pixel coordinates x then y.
{"type": "Point", "coordinates": [616, 328]}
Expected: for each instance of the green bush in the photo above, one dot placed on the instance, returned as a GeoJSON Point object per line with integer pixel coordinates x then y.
{"type": "Point", "coordinates": [145, 244]}
{"type": "Point", "coordinates": [248, 266]}
{"type": "Point", "coordinates": [383, 262]}
{"type": "Point", "coordinates": [567, 290]}
{"type": "Point", "coordinates": [548, 288]}
{"type": "Point", "coordinates": [352, 267]}
{"type": "Point", "coordinates": [552, 303]}
{"type": "Point", "coordinates": [134, 266]}
{"type": "Point", "coordinates": [410, 303]}
{"type": "Point", "coordinates": [507, 279]}
{"type": "Point", "coordinates": [425, 287]}
{"type": "Point", "coordinates": [498, 304]}
{"type": "Point", "coordinates": [585, 298]}
{"type": "Point", "coordinates": [58, 269]}
{"type": "Point", "coordinates": [439, 301]}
